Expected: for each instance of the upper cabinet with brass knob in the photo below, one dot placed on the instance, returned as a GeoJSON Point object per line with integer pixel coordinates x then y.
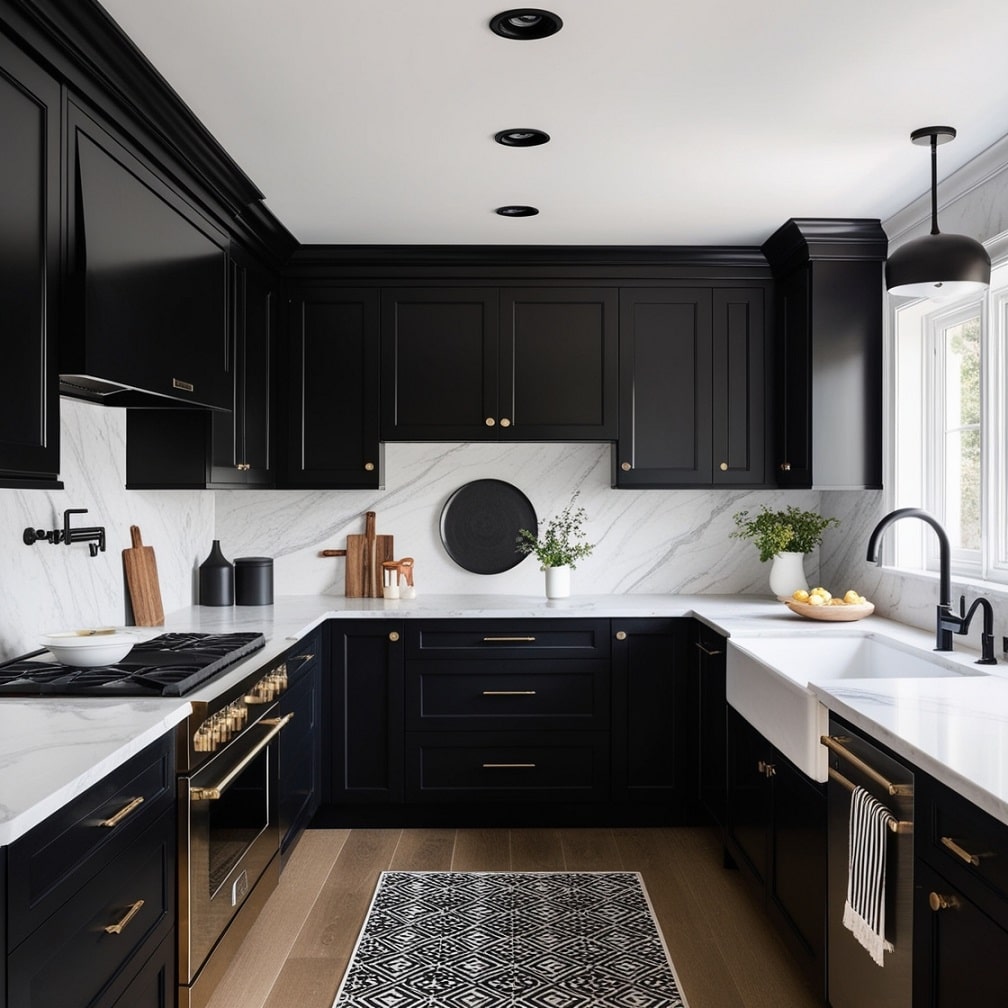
{"type": "Point", "coordinates": [499, 364]}
{"type": "Point", "coordinates": [332, 389]}
{"type": "Point", "coordinates": [693, 386]}
{"type": "Point", "coordinates": [828, 335]}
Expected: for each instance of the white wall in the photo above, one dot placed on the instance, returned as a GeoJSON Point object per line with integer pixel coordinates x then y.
{"type": "Point", "coordinates": [45, 587]}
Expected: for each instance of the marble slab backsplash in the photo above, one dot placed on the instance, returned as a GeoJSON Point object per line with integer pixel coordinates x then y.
{"type": "Point", "coordinates": [675, 541]}
{"type": "Point", "coordinates": [44, 587]}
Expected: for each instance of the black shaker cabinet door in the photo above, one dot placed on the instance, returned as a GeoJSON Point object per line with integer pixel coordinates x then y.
{"type": "Point", "coordinates": [439, 364]}
{"type": "Point", "coordinates": [665, 388]}
{"type": "Point", "coordinates": [332, 362]}
{"type": "Point", "coordinates": [29, 253]}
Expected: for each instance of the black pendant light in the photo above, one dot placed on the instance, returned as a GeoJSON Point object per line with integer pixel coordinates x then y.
{"type": "Point", "coordinates": [937, 265]}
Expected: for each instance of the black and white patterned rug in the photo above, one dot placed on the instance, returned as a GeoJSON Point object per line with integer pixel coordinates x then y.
{"type": "Point", "coordinates": [510, 940]}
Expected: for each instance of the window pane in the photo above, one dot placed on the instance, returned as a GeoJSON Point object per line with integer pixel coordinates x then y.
{"type": "Point", "coordinates": [962, 434]}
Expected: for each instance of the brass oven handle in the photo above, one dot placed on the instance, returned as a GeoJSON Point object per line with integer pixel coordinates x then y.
{"type": "Point", "coordinates": [503, 640]}
{"type": "Point", "coordinates": [130, 914]}
{"type": "Point", "coordinates": [706, 651]}
{"type": "Point", "coordinates": [509, 766]}
{"type": "Point", "coordinates": [122, 813]}
{"type": "Point", "coordinates": [836, 745]}
{"type": "Point", "coordinates": [215, 791]}
{"type": "Point", "coordinates": [961, 852]}
{"type": "Point", "coordinates": [509, 692]}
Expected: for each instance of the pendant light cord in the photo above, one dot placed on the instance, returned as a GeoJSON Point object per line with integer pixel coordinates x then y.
{"type": "Point", "coordinates": [934, 184]}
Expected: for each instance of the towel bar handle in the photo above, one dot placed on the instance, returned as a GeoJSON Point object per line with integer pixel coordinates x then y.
{"type": "Point", "coordinates": [898, 826]}
{"type": "Point", "coordinates": [836, 745]}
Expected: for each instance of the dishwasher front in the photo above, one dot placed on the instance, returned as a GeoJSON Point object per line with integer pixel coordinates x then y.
{"type": "Point", "coordinates": [854, 980]}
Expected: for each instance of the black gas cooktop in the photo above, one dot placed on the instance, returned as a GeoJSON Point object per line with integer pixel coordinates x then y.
{"type": "Point", "coordinates": [171, 664]}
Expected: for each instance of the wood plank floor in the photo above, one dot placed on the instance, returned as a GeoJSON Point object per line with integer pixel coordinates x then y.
{"type": "Point", "coordinates": [724, 949]}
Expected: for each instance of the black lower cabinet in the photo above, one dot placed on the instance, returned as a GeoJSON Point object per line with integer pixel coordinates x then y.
{"type": "Point", "coordinates": [154, 986]}
{"type": "Point", "coordinates": [365, 712]}
{"type": "Point", "coordinates": [709, 665]}
{"type": "Point", "coordinates": [776, 833]}
{"type": "Point", "coordinates": [300, 769]}
{"type": "Point", "coordinates": [652, 726]}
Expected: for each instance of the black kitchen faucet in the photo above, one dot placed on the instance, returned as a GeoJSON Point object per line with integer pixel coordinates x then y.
{"type": "Point", "coordinates": [947, 622]}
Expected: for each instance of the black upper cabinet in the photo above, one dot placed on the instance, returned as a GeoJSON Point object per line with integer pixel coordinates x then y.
{"type": "Point", "coordinates": [693, 400]}
{"type": "Point", "coordinates": [241, 439]}
{"type": "Point", "coordinates": [145, 317]}
{"type": "Point", "coordinates": [494, 364]}
{"type": "Point", "coordinates": [29, 284]}
{"type": "Point", "coordinates": [332, 389]}
{"type": "Point", "coordinates": [829, 352]}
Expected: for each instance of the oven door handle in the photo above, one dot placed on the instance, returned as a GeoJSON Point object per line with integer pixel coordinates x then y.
{"type": "Point", "coordinates": [215, 791]}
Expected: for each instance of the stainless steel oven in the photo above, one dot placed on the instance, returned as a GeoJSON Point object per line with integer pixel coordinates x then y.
{"type": "Point", "coordinates": [229, 834]}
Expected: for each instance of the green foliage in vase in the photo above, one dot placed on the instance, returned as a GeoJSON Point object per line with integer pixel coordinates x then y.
{"type": "Point", "coordinates": [789, 531]}
{"type": "Point", "coordinates": [562, 543]}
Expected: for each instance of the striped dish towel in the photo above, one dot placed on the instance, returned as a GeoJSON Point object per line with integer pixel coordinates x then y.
{"type": "Point", "coordinates": [864, 911]}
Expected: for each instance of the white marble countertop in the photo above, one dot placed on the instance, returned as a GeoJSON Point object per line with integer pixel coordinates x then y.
{"type": "Point", "coordinates": [956, 730]}
{"type": "Point", "coordinates": [53, 750]}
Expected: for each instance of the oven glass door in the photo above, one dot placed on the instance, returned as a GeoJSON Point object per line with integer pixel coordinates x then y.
{"type": "Point", "coordinates": [229, 807]}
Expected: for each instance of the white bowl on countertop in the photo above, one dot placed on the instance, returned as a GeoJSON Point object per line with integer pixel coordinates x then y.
{"type": "Point", "coordinates": [89, 648]}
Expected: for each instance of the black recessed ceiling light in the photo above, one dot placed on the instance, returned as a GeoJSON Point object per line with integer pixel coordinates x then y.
{"type": "Point", "coordinates": [516, 211]}
{"type": "Point", "coordinates": [525, 23]}
{"type": "Point", "coordinates": [521, 137]}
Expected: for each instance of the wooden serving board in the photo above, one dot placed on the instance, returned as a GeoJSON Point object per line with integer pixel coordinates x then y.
{"type": "Point", "coordinates": [359, 564]}
{"type": "Point", "coordinates": [140, 566]}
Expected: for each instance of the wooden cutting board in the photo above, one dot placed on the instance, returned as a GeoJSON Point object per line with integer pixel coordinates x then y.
{"type": "Point", "coordinates": [140, 566]}
{"type": "Point", "coordinates": [359, 564]}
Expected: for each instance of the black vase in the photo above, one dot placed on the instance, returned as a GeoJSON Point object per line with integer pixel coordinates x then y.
{"type": "Point", "coordinates": [216, 579]}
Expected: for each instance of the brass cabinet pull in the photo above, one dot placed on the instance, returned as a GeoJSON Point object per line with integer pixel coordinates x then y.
{"type": "Point", "coordinates": [369, 467]}
{"type": "Point", "coordinates": [625, 466]}
{"type": "Point", "coordinates": [393, 636]}
{"type": "Point", "coordinates": [503, 640]}
{"type": "Point", "coordinates": [243, 466]}
{"type": "Point", "coordinates": [216, 791]}
{"type": "Point", "coordinates": [130, 914]}
{"type": "Point", "coordinates": [723, 467]}
{"type": "Point", "coordinates": [122, 813]}
{"type": "Point", "coordinates": [621, 635]}
{"type": "Point", "coordinates": [490, 421]}
{"type": "Point", "coordinates": [505, 422]}
{"type": "Point", "coordinates": [184, 386]}
{"type": "Point", "coordinates": [761, 767]}
{"type": "Point", "coordinates": [835, 744]}
{"type": "Point", "coordinates": [785, 467]}
{"type": "Point", "coordinates": [771, 770]}
{"type": "Point", "coordinates": [938, 901]}
{"type": "Point", "coordinates": [707, 651]}
{"type": "Point", "coordinates": [509, 766]}
{"type": "Point", "coordinates": [961, 852]}
{"type": "Point", "coordinates": [509, 692]}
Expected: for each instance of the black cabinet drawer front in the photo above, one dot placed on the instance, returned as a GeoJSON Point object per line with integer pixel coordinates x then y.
{"type": "Point", "coordinates": [509, 639]}
{"type": "Point", "coordinates": [74, 957]}
{"type": "Point", "coordinates": [970, 845]}
{"type": "Point", "coordinates": [154, 984]}
{"type": "Point", "coordinates": [503, 694]}
{"type": "Point", "coordinates": [52, 861]}
{"type": "Point", "coordinates": [572, 766]}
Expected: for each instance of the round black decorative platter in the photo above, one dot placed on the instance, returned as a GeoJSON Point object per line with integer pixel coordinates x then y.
{"type": "Point", "coordinates": [480, 523]}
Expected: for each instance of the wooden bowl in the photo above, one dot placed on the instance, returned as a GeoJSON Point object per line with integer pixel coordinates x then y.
{"type": "Point", "coordinates": [831, 613]}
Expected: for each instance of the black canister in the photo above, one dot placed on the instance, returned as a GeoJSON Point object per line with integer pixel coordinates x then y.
{"type": "Point", "coordinates": [216, 579]}
{"type": "Point", "coordinates": [253, 581]}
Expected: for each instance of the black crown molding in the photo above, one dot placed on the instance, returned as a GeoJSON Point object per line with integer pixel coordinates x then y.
{"type": "Point", "coordinates": [802, 239]}
{"type": "Point", "coordinates": [88, 51]}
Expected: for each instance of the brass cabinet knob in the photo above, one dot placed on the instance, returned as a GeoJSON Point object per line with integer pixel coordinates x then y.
{"type": "Point", "coordinates": [785, 467]}
{"type": "Point", "coordinates": [723, 467]}
{"type": "Point", "coordinates": [505, 422]}
{"type": "Point", "coordinates": [393, 636]}
{"type": "Point", "coordinates": [621, 635]}
{"type": "Point", "coordinates": [938, 901]}
{"type": "Point", "coordinates": [369, 467]}
{"type": "Point", "coordinates": [625, 466]}
{"type": "Point", "coordinates": [243, 466]}
{"type": "Point", "coordinates": [490, 421]}
{"type": "Point", "coordinates": [771, 770]}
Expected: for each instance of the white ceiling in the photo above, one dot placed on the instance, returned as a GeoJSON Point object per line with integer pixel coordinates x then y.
{"type": "Point", "coordinates": [672, 124]}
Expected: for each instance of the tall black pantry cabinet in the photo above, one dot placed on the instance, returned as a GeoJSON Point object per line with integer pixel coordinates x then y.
{"type": "Point", "coordinates": [29, 269]}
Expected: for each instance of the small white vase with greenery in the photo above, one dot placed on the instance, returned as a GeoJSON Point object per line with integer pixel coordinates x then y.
{"type": "Point", "coordinates": [558, 548]}
{"type": "Point", "coordinates": [785, 537]}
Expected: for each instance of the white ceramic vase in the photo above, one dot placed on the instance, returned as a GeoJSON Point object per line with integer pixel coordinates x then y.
{"type": "Point", "coordinates": [558, 582]}
{"type": "Point", "coordinates": [787, 575]}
